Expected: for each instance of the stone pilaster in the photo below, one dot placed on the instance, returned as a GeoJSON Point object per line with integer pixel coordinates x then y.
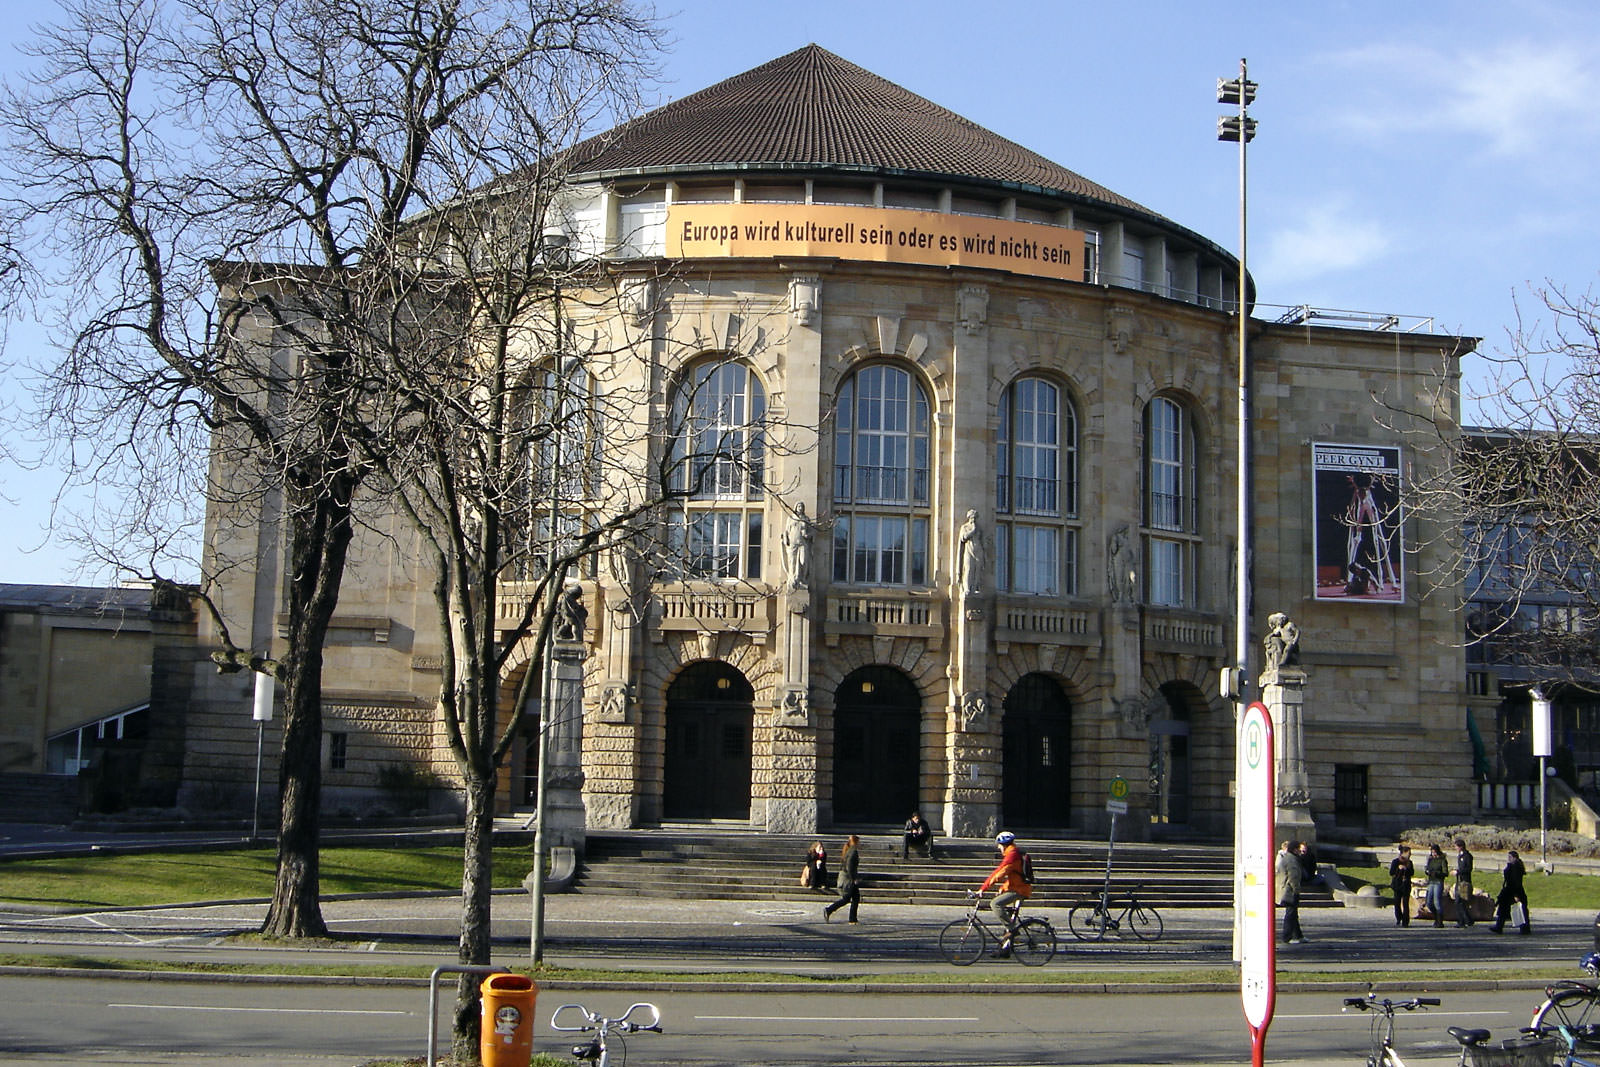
{"type": "Point", "coordinates": [563, 760]}
{"type": "Point", "coordinates": [1283, 692]}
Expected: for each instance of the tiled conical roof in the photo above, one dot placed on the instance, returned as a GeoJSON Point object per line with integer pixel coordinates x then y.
{"type": "Point", "coordinates": [812, 108]}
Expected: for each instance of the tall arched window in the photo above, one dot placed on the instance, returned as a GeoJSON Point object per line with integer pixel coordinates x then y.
{"type": "Point", "coordinates": [1171, 509]}
{"type": "Point", "coordinates": [1036, 491]}
{"type": "Point", "coordinates": [557, 467]}
{"type": "Point", "coordinates": [881, 478]}
{"type": "Point", "coordinates": [718, 472]}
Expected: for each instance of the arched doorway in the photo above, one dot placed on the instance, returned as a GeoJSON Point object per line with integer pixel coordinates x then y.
{"type": "Point", "coordinates": [709, 717]}
{"type": "Point", "coordinates": [1037, 790]}
{"type": "Point", "coordinates": [877, 747]}
{"type": "Point", "coordinates": [1171, 780]}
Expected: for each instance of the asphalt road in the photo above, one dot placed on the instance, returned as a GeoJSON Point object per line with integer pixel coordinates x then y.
{"type": "Point", "coordinates": [98, 1021]}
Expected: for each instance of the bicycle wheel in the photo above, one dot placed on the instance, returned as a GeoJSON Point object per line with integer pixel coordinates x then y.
{"type": "Point", "coordinates": [961, 941]}
{"type": "Point", "coordinates": [1576, 1009]}
{"type": "Point", "coordinates": [1087, 922]}
{"type": "Point", "coordinates": [1034, 942]}
{"type": "Point", "coordinates": [1145, 922]}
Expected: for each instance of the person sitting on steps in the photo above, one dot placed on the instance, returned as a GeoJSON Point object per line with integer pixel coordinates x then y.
{"type": "Point", "coordinates": [918, 834]}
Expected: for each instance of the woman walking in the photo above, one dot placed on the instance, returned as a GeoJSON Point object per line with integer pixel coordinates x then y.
{"type": "Point", "coordinates": [849, 887]}
{"type": "Point", "coordinates": [1436, 869]}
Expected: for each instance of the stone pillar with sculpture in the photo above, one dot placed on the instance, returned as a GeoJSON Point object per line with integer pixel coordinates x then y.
{"type": "Point", "coordinates": [791, 802]}
{"type": "Point", "coordinates": [564, 823]}
{"type": "Point", "coordinates": [971, 811]}
{"type": "Point", "coordinates": [1283, 685]}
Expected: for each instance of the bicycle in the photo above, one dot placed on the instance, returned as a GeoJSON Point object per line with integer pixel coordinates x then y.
{"type": "Point", "coordinates": [596, 1048]}
{"type": "Point", "coordinates": [964, 941]}
{"type": "Point", "coordinates": [1092, 920]}
{"type": "Point", "coordinates": [1383, 1053]}
{"type": "Point", "coordinates": [1572, 1006]}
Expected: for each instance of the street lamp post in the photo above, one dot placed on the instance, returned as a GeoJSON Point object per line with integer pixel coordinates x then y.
{"type": "Point", "coordinates": [1240, 128]}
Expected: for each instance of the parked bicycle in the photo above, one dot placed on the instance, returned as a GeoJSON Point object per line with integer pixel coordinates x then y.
{"type": "Point", "coordinates": [1092, 920]}
{"type": "Point", "coordinates": [965, 940]}
{"type": "Point", "coordinates": [1573, 1006]}
{"type": "Point", "coordinates": [580, 1020]}
{"type": "Point", "coordinates": [1383, 1053]}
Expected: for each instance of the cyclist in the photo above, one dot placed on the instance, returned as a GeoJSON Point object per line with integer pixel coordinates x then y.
{"type": "Point", "coordinates": [1010, 886]}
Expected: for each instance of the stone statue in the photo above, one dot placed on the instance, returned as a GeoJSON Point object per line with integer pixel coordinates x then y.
{"type": "Point", "coordinates": [1282, 642]}
{"type": "Point", "coordinates": [572, 616]}
{"type": "Point", "coordinates": [797, 549]}
{"type": "Point", "coordinates": [971, 555]}
{"type": "Point", "coordinates": [1120, 575]}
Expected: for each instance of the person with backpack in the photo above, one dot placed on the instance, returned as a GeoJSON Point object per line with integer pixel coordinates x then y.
{"type": "Point", "coordinates": [1011, 882]}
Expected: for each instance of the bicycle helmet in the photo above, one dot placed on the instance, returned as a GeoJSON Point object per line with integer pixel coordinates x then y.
{"type": "Point", "coordinates": [1005, 838]}
{"type": "Point", "coordinates": [1591, 963]}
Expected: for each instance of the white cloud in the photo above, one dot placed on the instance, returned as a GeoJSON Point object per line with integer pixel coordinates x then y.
{"type": "Point", "coordinates": [1327, 238]}
{"type": "Point", "coordinates": [1510, 98]}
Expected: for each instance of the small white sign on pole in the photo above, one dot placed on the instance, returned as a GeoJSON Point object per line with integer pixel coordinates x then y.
{"type": "Point", "coordinates": [262, 711]}
{"type": "Point", "coordinates": [1258, 980]}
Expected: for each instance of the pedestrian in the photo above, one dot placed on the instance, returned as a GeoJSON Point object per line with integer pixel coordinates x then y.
{"type": "Point", "coordinates": [1463, 884]}
{"type": "Point", "coordinates": [849, 880]}
{"type": "Point", "coordinates": [817, 867]}
{"type": "Point", "coordinates": [918, 834]}
{"type": "Point", "coordinates": [1436, 869]}
{"type": "Point", "coordinates": [1287, 875]}
{"type": "Point", "coordinates": [1512, 892]}
{"type": "Point", "coordinates": [1401, 872]}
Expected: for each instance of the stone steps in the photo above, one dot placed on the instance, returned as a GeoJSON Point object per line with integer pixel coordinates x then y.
{"type": "Point", "coordinates": [739, 865]}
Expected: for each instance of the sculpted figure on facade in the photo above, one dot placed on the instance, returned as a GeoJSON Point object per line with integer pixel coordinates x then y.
{"type": "Point", "coordinates": [797, 550]}
{"type": "Point", "coordinates": [971, 556]}
{"type": "Point", "coordinates": [1120, 574]}
{"type": "Point", "coordinates": [974, 707]}
{"type": "Point", "coordinates": [1282, 642]}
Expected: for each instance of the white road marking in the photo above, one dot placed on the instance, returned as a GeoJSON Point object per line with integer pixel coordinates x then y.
{"type": "Point", "coordinates": [269, 1011]}
{"type": "Point", "coordinates": [836, 1019]}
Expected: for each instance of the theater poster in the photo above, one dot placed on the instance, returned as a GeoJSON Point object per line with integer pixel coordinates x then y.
{"type": "Point", "coordinates": [1356, 501]}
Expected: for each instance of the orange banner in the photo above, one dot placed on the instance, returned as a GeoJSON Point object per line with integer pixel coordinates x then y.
{"type": "Point", "coordinates": [883, 235]}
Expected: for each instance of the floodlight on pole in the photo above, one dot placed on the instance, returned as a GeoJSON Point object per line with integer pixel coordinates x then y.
{"type": "Point", "coordinates": [1236, 682]}
{"type": "Point", "coordinates": [553, 251]}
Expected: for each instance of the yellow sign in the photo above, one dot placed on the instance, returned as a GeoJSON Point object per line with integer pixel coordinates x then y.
{"type": "Point", "coordinates": [1119, 787]}
{"type": "Point", "coordinates": [883, 235]}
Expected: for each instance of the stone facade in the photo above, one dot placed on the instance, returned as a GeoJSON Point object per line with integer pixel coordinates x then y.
{"type": "Point", "coordinates": [1058, 604]}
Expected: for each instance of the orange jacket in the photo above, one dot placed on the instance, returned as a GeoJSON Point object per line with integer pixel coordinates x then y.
{"type": "Point", "coordinates": [1007, 876]}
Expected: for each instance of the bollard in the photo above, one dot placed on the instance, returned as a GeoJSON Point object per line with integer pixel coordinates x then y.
{"type": "Point", "coordinates": [505, 1037]}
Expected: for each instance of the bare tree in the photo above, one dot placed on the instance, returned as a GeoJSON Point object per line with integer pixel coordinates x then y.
{"type": "Point", "coordinates": [1523, 489]}
{"type": "Point", "coordinates": [226, 187]}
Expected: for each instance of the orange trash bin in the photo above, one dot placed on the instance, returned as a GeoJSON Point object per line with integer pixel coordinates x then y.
{"type": "Point", "coordinates": [505, 1028]}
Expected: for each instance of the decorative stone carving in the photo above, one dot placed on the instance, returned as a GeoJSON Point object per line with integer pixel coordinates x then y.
{"type": "Point", "coordinates": [1282, 642]}
{"type": "Point", "coordinates": [974, 710]}
{"type": "Point", "coordinates": [972, 307]}
{"type": "Point", "coordinates": [795, 707]}
{"type": "Point", "coordinates": [639, 299]}
{"type": "Point", "coordinates": [615, 702]}
{"type": "Point", "coordinates": [805, 298]}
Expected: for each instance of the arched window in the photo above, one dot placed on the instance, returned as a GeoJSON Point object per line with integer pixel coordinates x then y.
{"type": "Point", "coordinates": [1036, 491]}
{"type": "Point", "coordinates": [1171, 509]}
{"type": "Point", "coordinates": [717, 472]}
{"type": "Point", "coordinates": [558, 467]}
{"type": "Point", "coordinates": [881, 478]}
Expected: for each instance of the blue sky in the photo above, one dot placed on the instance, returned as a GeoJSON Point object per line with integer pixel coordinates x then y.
{"type": "Point", "coordinates": [1425, 159]}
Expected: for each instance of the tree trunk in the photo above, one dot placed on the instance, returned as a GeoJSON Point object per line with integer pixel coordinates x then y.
{"type": "Point", "coordinates": [320, 534]}
{"type": "Point", "coordinates": [476, 884]}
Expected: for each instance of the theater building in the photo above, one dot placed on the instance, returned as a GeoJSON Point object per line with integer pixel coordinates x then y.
{"type": "Point", "coordinates": [1011, 582]}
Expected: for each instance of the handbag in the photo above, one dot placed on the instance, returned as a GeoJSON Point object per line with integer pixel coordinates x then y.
{"type": "Point", "coordinates": [805, 877]}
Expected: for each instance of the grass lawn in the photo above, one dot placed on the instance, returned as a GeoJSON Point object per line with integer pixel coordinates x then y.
{"type": "Point", "coordinates": [111, 881]}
